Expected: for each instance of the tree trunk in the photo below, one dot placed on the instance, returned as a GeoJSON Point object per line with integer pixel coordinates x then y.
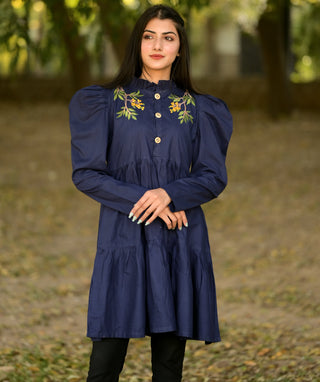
{"type": "Point", "coordinates": [212, 63]}
{"type": "Point", "coordinates": [273, 30]}
{"type": "Point", "coordinates": [115, 25]}
{"type": "Point", "coordinates": [79, 60]}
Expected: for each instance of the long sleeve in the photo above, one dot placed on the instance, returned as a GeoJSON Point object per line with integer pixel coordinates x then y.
{"type": "Point", "coordinates": [208, 176]}
{"type": "Point", "coordinates": [90, 133]}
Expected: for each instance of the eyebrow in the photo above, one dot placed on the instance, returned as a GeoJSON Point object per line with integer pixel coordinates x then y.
{"type": "Point", "coordinates": [164, 33]}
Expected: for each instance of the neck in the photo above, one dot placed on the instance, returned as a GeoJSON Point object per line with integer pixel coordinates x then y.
{"type": "Point", "coordinates": [155, 76]}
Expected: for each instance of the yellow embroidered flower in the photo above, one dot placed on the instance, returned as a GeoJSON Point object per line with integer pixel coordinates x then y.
{"type": "Point", "coordinates": [137, 103]}
{"type": "Point", "coordinates": [174, 107]}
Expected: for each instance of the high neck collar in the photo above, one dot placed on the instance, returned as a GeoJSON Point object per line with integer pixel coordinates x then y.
{"type": "Point", "coordinates": [145, 84]}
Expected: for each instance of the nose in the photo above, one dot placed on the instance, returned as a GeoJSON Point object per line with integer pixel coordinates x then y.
{"type": "Point", "coordinates": [157, 44]}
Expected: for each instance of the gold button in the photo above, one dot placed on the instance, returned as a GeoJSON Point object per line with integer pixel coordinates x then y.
{"type": "Point", "coordinates": [157, 139]}
{"type": "Point", "coordinates": [158, 115]}
{"type": "Point", "coordinates": [157, 96]}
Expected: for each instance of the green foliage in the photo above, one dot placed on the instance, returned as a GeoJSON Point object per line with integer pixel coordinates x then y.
{"type": "Point", "coordinates": [306, 37]}
{"type": "Point", "coordinates": [30, 38]}
{"type": "Point", "coordinates": [14, 31]}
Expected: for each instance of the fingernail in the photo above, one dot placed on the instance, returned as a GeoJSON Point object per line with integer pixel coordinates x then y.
{"type": "Point", "coordinates": [139, 221]}
{"type": "Point", "coordinates": [134, 218]}
{"type": "Point", "coordinates": [147, 223]}
{"type": "Point", "coordinates": [186, 225]}
{"type": "Point", "coordinates": [180, 228]}
{"type": "Point", "coordinates": [130, 215]}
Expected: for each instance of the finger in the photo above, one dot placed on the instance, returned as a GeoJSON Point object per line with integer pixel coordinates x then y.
{"type": "Point", "coordinates": [146, 213]}
{"type": "Point", "coordinates": [166, 219]}
{"type": "Point", "coordinates": [178, 215]}
{"type": "Point", "coordinates": [173, 219]}
{"type": "Point", "coordinates": [137, 211]}
{"type": "Point", "coordinates": [150, 205]}
{"type": "Point", "coordinates": [138, 205]}
{"type": "Point", "coordinates": [155, 214]}
{"type": "Point", "coordinates": [184, 218]}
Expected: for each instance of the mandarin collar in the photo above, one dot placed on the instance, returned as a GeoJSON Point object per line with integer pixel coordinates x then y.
{"type": "Point", "coordinates": [141, 83]}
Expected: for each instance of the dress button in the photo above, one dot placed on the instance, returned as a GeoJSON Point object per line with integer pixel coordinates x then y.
{"type": "Point", "coordinates": [157, 96]}
{"type": "Point", "coordinates": [157, 139]}
{"type": "Point", "coordinates": [158, 115]}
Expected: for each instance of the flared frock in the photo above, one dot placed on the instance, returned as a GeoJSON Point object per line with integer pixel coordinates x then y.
{"type": "Point", "coordinates": [125, 141]}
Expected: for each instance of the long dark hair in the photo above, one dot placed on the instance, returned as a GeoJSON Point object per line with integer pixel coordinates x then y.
{"type": "Point", "coordinates": [132, 63]}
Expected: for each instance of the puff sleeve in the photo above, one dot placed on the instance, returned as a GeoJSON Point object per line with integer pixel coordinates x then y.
{"type": "Point", "coordinates": [90, 133]}
{"type": "Point", "coordinates": [208, 175]}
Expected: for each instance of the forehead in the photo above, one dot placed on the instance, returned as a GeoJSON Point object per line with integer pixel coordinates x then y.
{"type": "Point", "coordinates": [161, 26]}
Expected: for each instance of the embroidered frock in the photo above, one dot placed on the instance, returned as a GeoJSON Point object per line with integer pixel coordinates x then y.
{"type": "Point", "coordinates": [149, 279]}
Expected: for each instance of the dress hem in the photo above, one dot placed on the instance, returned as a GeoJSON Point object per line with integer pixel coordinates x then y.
{"type": "Point", "coordinates": [182, 336]}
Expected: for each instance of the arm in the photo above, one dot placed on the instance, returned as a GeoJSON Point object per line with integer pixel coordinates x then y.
{"type": "Point", "coordinates": [208, 176]}
{"type": "Point", "coordinates": [89, 141]}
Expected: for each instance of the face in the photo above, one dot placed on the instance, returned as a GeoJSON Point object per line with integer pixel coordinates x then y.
{"type": "Point", "coordinates": [159, 48]}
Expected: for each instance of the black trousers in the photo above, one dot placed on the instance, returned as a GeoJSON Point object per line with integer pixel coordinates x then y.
{"type": "Point", "coordinates": [108, 356]}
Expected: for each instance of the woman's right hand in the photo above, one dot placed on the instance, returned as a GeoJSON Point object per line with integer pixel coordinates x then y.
{"type": "Point", "coordinates": [174, 219]}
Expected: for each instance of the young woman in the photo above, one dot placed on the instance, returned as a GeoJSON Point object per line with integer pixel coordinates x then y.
{"type": "Point", "coordinates": [151, 150]}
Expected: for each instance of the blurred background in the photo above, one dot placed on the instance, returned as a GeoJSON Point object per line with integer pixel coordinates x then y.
{"type": "Point", "coordinates": [55, 47]}
{"type": "Point", "coordinates": [263, 58]}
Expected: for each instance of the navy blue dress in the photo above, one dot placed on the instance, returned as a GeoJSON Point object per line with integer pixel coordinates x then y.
{"type": "Point", "coordinates": [148, 279]}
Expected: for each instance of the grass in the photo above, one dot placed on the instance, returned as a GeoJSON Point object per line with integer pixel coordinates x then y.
{"type": "Point", "coordinates": [264, 233]}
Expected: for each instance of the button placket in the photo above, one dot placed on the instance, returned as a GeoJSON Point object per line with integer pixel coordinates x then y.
{"type": "Point", "coordinates": [158, 117]}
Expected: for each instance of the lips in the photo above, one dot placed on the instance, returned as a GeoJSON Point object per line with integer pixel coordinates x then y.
{"type": "Point", "coordinates": [156, 56]}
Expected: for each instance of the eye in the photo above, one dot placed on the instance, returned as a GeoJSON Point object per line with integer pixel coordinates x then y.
{"type": "Point", "coordinates": [147, 37]}
{"type": "Point", "coordinates": [169, 38]}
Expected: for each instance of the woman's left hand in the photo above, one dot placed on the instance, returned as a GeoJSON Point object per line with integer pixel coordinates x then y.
{"type": "Point", "coordinates": [153, 202]}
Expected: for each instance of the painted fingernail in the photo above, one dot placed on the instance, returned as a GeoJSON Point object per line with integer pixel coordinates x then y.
{"type": "Point", "coordinates": [134, 218]}
{"type": "Point", "coordinates": [147, 223]}
{"type": "Point", "coordinates": [130, 215]}
{"type": "Point", "coordinates": [180, 228]}
{"type": "Point", "coordinates": [139, 221]}
{"type": "Point", "coordinates": [186, 224]}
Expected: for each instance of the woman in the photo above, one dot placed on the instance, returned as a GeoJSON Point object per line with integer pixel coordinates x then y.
{"type": "Point", "coordinates": [151, 151]}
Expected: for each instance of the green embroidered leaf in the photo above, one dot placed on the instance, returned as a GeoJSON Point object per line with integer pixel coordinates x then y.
{"type": "Point", "coordinates": [174, 98]}
{"type": "Point", "coordinates": [129, 99]}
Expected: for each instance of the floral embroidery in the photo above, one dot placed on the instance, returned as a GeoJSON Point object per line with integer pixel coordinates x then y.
{"type": "Point", "coordinates": [132, 99]}
{"type": "Point", "coordinates": [179, 102]}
